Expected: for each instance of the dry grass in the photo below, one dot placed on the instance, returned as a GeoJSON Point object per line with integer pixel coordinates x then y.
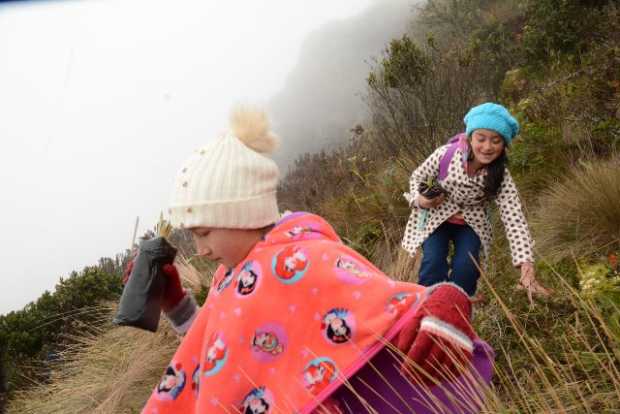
{"type": "Point", "coordinates": [109, 369]}
{"type": "Point", "coordinates": [578, 373]}
{"type": "Point", "coordinates": [560, 356]}
{"type": "Point", "coordinates": [580, 214]}
{"type": "Point", "coordinates": [112, 370]}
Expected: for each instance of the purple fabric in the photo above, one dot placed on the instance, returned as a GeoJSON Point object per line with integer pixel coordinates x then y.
{"type": "Point", "coordinates": [456, 142]}
{"type": "Point", "coordinates": [392, 393]}
{"type": "Point", "coordinates": [290, 217]}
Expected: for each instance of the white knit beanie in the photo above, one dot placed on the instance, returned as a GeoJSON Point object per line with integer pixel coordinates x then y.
{"type": "Point", "coordinates": [228, 183]}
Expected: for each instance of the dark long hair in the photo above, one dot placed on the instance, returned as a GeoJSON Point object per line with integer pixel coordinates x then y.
{"type": "Point", "coordinates": [495, 173]}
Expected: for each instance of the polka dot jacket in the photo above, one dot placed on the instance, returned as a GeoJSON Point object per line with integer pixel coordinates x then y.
{"type": "Point", "coordinates": [466, 195]}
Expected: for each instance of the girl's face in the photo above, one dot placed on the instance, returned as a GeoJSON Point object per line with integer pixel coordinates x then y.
{"type": "Point", "coordinates": [224, 246]}
{"type": "Point", "coordinates": [486, 145]}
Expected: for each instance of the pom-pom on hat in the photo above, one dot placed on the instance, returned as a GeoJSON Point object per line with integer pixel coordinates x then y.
{"type": "Point", "coordinates": [494, 117]}
{"type": "Point", "coordinates": [229, 183]}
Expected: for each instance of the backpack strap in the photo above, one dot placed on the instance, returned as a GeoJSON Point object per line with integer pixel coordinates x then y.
{"type": "Point", "coordinates": [456, 142]}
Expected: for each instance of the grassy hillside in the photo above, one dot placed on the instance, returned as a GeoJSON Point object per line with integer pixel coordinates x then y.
{"type": "Point", "coordinates": [555, 64]}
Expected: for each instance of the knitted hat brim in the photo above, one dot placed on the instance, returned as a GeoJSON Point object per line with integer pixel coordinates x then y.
{"type": "Point", "coordinates": [250, 213]}
{"type": "Point", "coordinates": [502, 128]}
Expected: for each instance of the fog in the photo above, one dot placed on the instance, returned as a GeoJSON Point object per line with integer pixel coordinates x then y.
{"type": "Point", "coordinates": [103, 100]}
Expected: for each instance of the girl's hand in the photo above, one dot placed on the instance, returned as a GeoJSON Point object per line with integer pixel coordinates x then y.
{"type": "Point", "coordinates": [173, 291]}
{"type": "Point", "coordinates": [435, 202]}
{"type": "Point", "coordinates": [528, 281]}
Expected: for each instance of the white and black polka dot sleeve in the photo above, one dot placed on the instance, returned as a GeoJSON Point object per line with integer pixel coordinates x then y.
{"type": "Point", "coordinates": [428, 169]}
{"type": "Point", "coordinates": [515, 225]}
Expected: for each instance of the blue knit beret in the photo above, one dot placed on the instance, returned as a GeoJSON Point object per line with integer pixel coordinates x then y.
{"type": "Point", "coordinates": [494, 117]}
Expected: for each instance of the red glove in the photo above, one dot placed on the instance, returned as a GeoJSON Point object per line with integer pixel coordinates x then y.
{"type": "Point", "coordinates": [439, 337]}
{"type": "Point", "coordinates": [127, 272]}
{"type": "Point", "coordinates": [173, 291]}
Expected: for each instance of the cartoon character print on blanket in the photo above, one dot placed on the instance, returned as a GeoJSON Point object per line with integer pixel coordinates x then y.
{"type": "Point", "coordinates": [216, 355]}
{"type": "Point", "coordinates": [401, 301]}
{"type": "Point", "coordinates": [258, 401]}
{"type": "Point", "coordinates": [318, 374]}
{"type": "Point", "coordinates": [225, 281]}
{"type": "Point", "coordinates": [172, 383]}
{"type": "Point", "coordinates": [248, 278]}
{"type": "Point", "coordinates": [351, 271]}
{"type": "Point", "coordinates": [290, 264]}
{"type": "Point", "coordinates": [338, 325]}
{"type": "Point", "coordinates": [269, 342]}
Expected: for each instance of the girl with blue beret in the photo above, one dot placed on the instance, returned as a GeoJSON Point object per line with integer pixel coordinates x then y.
{"type": "Point", "coordinates": [471, 171]}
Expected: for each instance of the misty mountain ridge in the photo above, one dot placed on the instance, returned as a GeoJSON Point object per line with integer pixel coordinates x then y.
{"type": "Point", "coordinates": [323, 95]}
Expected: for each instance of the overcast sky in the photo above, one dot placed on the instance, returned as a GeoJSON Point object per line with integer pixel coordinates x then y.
{"type": "Point", "coordinates": [102, 101]}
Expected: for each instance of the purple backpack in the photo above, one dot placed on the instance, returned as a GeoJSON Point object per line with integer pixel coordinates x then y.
{"type": "Point", "coordinates": [457, 141]}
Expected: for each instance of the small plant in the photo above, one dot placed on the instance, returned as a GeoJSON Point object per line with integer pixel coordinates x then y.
{"type": "Point", "coordinates": [431, 188]}
{"type": "Point", "coordinates": [597, 280]}
{"type": "Point", "coordinates": [163, 228]}
{"type": "Point", "coordinates": [600, 283]}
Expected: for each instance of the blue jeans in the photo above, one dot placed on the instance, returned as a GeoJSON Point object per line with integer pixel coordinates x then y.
{"type": "Point", "coordinates": [462, 270]}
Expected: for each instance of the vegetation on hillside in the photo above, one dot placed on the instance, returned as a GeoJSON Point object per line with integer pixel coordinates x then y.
{"type": "Point", "coordinates": [40, 331]}
{"type": "Point", "coordinates": [563, 84]}
{"type": "Point", "coordinates": [555, 64]}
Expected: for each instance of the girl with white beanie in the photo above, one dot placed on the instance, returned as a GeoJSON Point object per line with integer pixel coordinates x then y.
{"type": "Point", "coordinates": [293, 314]}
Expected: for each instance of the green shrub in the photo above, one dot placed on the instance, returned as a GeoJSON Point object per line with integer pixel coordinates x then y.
{"type": "Point", "coordinates": [561, 28]}
{"type": "Point", "coordinates": [31, 336]}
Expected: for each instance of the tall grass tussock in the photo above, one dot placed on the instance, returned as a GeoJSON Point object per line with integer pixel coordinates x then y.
{"type": "Point", "coordinates": [580, 214]}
